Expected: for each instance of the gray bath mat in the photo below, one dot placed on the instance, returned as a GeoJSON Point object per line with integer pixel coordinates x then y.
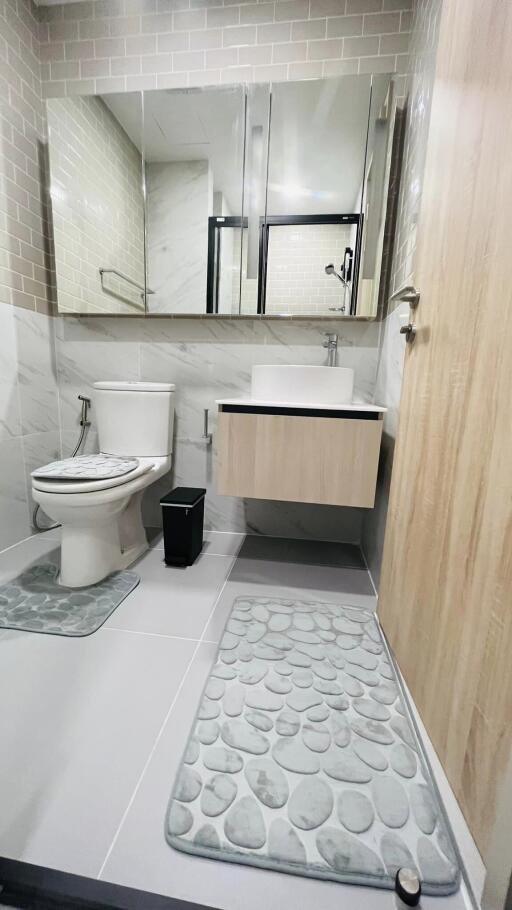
{"type": "Point", "coordinates": [35, 602]}
{"type": "Point", "coordinates": [302, 759]}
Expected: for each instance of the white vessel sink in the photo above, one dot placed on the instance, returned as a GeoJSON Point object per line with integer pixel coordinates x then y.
{"type": "Point", "coordinates": [302, 384]}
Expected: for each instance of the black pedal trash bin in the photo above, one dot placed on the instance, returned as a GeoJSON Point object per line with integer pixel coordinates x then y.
{"type": "Point", "coordinates": [183, 515]}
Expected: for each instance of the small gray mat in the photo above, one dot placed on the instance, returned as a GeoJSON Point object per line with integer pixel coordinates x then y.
{"type": "Point", "coordinates": [302, 758]}
{"type": "Point", "coordinates": [35, 602]}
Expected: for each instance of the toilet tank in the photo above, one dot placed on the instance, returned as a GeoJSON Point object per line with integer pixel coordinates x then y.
{"type": "Point", "coordinates": [134, 418]}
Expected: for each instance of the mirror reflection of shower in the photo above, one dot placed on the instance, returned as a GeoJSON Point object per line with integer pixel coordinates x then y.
{"type": "Point", "coordinates": [330, 270]}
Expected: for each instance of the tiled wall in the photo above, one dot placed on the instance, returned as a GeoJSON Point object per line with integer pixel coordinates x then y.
{"type": "Point", "coordinates": [424, 41]}
{"type": "Point", "coordinates": [29, 416]}
{"type": "Point", "coordinates": [116, 45]}
{"type": "Point", "coordinates": [29, 412]}
{"type": "Point", "coordinates": [97, 207]}
{"type": "Point", "coordinates": [388, 384]}
{"type": "Point", "coordinates": [24, 251]}
{"type": "Point", "coordinates": [296, 278]}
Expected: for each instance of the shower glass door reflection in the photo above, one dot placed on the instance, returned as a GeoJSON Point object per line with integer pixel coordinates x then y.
{"type": "Point", "coordinates": [309, 265]}
{"type": "Point", "coordinates": [231, 287]}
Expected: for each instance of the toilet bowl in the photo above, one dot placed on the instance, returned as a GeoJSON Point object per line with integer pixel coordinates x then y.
{"type": "Point", "coordinates": [101, 518]}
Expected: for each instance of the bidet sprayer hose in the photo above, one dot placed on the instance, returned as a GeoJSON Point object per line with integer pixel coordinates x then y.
{"type": "Point", "coordinates": [84, 424]}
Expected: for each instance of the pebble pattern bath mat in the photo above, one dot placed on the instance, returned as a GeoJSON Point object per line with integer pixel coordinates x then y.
{"type": "Point", "coordinates": [35, 602]}
{"type": "Point", "coordinates": [302, 759]}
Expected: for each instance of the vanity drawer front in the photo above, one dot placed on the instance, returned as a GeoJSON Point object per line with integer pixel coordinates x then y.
{"type": "Point", "coordinates": [324, 460]}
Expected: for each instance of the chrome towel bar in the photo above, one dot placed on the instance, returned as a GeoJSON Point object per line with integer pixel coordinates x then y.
{"type": "Point", "coordinates": [135, 284]}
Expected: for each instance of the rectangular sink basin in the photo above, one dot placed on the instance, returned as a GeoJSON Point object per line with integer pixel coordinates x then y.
{"type": "Point", "coordinates": [302, 384]}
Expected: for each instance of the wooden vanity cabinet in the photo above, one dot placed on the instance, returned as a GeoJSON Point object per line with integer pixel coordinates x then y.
{"type": "Point", "coordinates": [328, 457]}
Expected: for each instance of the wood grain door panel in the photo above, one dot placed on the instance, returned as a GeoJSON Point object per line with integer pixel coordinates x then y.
{"type": "Point", "coordinates": [446, 589]}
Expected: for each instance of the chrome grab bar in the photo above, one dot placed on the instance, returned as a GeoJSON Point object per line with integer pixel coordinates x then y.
{"type": "Point", "coordinates": [135, 284]}
{"type": "Point", "coordinates": [408, 293]}
{"type": "Point", "coordinates": [206, 433]}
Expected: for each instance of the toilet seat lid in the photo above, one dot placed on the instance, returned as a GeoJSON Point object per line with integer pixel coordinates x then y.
{"type": "Point", "coordinates": [87, 467]}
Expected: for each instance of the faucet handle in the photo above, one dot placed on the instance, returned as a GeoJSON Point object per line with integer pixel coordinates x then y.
{"type": "Point", "coordinates": [332, 337]}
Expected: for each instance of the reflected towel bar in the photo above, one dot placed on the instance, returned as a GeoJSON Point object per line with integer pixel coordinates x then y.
{"type": "Point", "coordinates": [135, 284]}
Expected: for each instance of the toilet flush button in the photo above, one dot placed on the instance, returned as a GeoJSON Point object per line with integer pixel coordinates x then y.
{"type": "Point", "coordinates": [408, 887]}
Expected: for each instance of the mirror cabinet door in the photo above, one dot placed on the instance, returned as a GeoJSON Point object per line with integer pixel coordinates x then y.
{"type": "Point", "coordinates": [257, 127]}
{"type": "Point", "coordinates": [375, 258]}
{"type": "Point", "coordinates": [97, 203]}
{"type": "Point", "coordinates": [313, 225]}
{"type": "Point", "coordinates": [193, 154]}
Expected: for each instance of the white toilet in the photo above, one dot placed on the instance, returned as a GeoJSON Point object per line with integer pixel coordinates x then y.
{"type": "Point", "coordinates": [97, 499]}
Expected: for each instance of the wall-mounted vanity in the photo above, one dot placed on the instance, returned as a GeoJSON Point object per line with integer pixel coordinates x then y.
{"type": "Point", "coordinates": [244, 200]}
{"type": "Point", "coordinates": [304, 442]}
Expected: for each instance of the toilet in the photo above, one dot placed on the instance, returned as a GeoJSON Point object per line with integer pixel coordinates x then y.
{"type": "Point", "coordinates": [97, 498]}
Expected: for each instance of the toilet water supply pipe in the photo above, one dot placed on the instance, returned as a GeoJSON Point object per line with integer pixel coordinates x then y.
{"type": "Point", "coordinates": [84, 424]}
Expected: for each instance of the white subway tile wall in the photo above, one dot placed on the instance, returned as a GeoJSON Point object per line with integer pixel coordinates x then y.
{"type": "Point", "coordinates": [121, 45]}
{"type": "Point", "coordinates": [97, 208]}
{"type": "Point", "coordinates": [25, 260]}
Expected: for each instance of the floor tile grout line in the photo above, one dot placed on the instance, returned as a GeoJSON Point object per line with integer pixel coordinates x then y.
{"type": "Point", "coordinates": [160, 732]}
{"type": "Point", "coordinates": [23, 540]}
{"type": "Point", "coordinates": [151, 634]}
{"type": "Point", "coordinates": [207, 621]}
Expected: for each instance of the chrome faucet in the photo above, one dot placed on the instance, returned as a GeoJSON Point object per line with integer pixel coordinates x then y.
{"type": "Point", "coordinates": [332, 346]}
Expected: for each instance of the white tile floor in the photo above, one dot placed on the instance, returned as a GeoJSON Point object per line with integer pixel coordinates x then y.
{"type": "Point", "coordinates": [94, 728]}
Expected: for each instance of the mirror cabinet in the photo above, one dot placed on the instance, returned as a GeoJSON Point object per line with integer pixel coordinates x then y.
{"type": "Point", "coordinates": [242, 200]}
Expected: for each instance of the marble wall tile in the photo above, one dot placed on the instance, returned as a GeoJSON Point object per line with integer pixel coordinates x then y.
{"type": "Point", "coordinates": [206, 372]}
{"type": "Point", "coordinates": [37, 371]}
{"type": "Point", "coordinates": [178, 205]}
{"type": "Point", "coordinates": [29, 416]}
{"type": "Point", "coordinates": [388, 384]}
{"type": "Point", "coordinates": [81, 363]}
{"type": "Point", "coordinates": [39, 449]}
{"type": "Point", "coordinates": [14, 515]}
{"type": "Point", "coordinates": [69, 442]}
{"type": "Point", "coordinates": [10, 417]}
{"type": "Point", "coordinates": [225, 331]}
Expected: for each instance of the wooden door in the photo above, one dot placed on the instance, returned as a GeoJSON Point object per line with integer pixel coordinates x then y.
{"type": "Point", "coordinates": [446, 590]}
